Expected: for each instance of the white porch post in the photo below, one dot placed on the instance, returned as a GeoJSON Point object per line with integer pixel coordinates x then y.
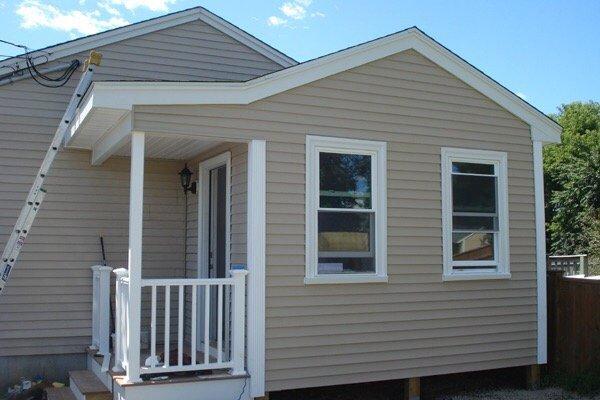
{"type": "Point", "coordinates": [540, 243]}
{"type": "Point", "coordinates": [136, 203]}
{"type": "Point", "coordinates": [256, 245]}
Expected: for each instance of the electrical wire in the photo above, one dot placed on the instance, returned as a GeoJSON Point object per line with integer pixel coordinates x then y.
{"type": "Point", "coordinates": [40, 77]}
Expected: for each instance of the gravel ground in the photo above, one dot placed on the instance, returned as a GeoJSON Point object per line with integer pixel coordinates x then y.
{"type": "Point", "coordinates": [543, 394]}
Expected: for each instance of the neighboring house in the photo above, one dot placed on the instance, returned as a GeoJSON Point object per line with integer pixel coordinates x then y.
{"type": "Point", "coordinates": [352, 186]}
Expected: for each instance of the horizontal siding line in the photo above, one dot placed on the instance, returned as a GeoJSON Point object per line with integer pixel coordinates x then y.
{"type": "Point", "coordinates": [383, 128]}
{"type": "Point", "coordinates": [408, 335]}
{"type": "Point", "coordinates": [198, 55]}
{"type": "Point", "coordinates": [402, 344]}
{"type": "Point", "coordinates": [397, 83]}
{"type": "Point", "coordinates": [324, 310]}
{"type": "Point", "coordinates": [376, 317]}
{"type": "Point", "coordinates": [320, 110]}
{"type": "Point", "coordinates": [327, 370]}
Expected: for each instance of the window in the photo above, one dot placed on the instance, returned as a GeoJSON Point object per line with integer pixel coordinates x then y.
{"type": "Point", "coordinates": [346, 222]}
{"type": "Point", "coordinates": [475, 214]}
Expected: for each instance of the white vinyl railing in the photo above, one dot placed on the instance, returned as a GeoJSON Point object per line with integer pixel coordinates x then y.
{"type": "Point", "coordinates": [101, 309]}
{"type": "Point", "coordinates": [180, 351]}
{"type": "Point", "coordinates": [121, 319]}
{"type": "Point", "coordinates": [201, 291]}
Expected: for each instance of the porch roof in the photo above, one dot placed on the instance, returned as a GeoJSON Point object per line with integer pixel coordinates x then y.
{"type": "Point", "coordinates": [103, 118]}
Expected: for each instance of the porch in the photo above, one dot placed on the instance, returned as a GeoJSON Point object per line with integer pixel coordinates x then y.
{"type": "Point", "coordinates": [196, 324]}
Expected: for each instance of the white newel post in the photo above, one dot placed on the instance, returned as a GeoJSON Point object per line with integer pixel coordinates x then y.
{"type": "Point", "coordinates": [239, 321]}
{"type": "Point", "coordinates": [121, 296]}
{"type": "Point", "coordinates": [101, 309]}
{"type": "Point", "coordinates": [136, 214]}
{"type": "Point", "coordinates": [256, 245]}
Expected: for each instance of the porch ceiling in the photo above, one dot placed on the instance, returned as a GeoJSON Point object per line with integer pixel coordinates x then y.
{"type": "Point", "coordinates": [105, 128]}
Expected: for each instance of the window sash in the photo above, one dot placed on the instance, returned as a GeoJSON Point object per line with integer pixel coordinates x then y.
{"type": "Point", "coordinates": [499, 263]}
{"type": "Point", "coordinates": [371, 210]}
{"type": "Point", "coordinates": [378, 251]}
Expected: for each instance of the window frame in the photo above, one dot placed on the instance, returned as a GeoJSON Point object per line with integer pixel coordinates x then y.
{"type": "Point", "coordinates": [501, 238]}
{"type": "Point", "coordinates": [378, 152]}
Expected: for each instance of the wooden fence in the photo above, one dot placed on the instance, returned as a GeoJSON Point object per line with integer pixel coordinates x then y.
{"type": "Point", "coordinates": [573, 323]}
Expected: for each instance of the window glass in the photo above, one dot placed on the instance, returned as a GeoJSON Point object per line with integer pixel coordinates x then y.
{"type": "Point", "coordinates": [472, 168]}
{"type": "Point", "coordinates": [472, 246]}
{"type": "Point", "coordinates": [462, 222]}
{"type": "Point", "coordinates": [344, 231]}
{"type": "Point", "coordinates": [344, 180]}
{"type": "Point", "coordinates": [472, 193]}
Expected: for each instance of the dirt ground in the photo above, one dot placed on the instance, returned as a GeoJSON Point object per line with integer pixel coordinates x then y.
{"type": "Point", "coordinates": [513, 394]}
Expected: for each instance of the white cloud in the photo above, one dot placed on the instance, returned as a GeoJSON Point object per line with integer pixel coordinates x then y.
{"type": "Point", "coordinates": [35, 14]}
{"type": "Point", "coordinates": [293, 10]}
{"type": "Point", "coordinates": [276, 21]}
{"type": "Point", "coordinates": [152, 5]}
{"type": "Point", "coordinates": [108, 8]}
{"type": "Point", "coordinates": [521, 95]}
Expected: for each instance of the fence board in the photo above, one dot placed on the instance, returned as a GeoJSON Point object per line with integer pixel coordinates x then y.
{"type": "Point", "coordinates": [573, 323]}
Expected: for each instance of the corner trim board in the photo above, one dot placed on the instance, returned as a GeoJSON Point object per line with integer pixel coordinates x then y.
{"type": "Point", "coordinates": [256, 247]}
{"type": "Point", "coordinates": [540, 244]}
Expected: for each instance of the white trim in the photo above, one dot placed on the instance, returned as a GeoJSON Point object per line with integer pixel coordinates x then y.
{"type": "Point", "coordinates": [204, 169]}
{"type": "Point", "coordinates": [112, 140]}
{"type": "Point", "coordinates": [378, 152]}
{"type": "Point", "coordinates": [540, 244]}
{"type": "Point", "coordinates": [334, 279]}
{"type": "Point", "coordinates": [126, 94]}
{"type": "Point", "coordinates": [501, 242]}
{"type": "Point", "coordinates": [136, 219]}
{"type": "Point", "coordinates": [255, 248]}
{"type": "Point", "coordinates": [141, 28]}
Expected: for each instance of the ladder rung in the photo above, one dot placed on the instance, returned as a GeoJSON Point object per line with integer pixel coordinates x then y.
{"type": "Point", "coordinates": [37, 193]}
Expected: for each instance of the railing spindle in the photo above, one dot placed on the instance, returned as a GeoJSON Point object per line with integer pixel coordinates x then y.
{"type": "Point", "coordinates": [194, 310]}
{"type": "Point", "coordinates": [167, 323]}
{"type": "Point", "coordinates": [153, 329]}
{"type": "Point", "coordinates": [206, 323]}
{"type": "Point", "coordinates": [180, 328]}
{"type": "Point", "coordinates": [220, 324]}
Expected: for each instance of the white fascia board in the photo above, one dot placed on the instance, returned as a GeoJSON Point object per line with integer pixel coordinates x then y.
{"type": "Point", "coordinates": [141, 28]}
{"type": "Point", "coordinates": [127, 94]}
{"type": "Point", "coordinates": [112, 140]}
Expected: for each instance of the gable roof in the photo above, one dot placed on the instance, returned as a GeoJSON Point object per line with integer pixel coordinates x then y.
{"type": "Point", "coordinates": [90, 42]}
{"type": "Point", "coordinates": [125, 95]}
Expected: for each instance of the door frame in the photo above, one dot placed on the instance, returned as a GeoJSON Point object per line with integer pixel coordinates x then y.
{"type": "Point", "coordinates": [204, 168]}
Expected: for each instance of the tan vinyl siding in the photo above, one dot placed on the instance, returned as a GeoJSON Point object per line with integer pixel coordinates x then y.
{"type": "Point", "coordinates": [415, 325]}
{"type": "Point", "coordinates": [46, 308]}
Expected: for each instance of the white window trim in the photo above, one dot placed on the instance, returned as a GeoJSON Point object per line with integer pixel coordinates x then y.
{"type": "Point", "coordinates": [378, 150]}
{"type": "Point", "coordinates": [499, 159]}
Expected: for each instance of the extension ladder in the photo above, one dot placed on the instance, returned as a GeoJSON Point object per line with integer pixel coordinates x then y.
{"type": "Point", "coordinates": [37, 191]}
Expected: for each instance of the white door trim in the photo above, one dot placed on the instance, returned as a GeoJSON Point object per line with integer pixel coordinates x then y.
{"type": "Point", "coordinates": [204, 169]}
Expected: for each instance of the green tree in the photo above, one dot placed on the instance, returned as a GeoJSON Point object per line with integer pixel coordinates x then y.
{"type": "Point", "coordinates": [572, 181]}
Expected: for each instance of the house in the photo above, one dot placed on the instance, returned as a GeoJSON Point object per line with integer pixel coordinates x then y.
{"type": "Point", "coordinates": [376, 213]}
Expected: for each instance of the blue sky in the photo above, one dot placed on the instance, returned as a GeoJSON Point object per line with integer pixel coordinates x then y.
{"type": "Point", "coordinates": [546, 51]}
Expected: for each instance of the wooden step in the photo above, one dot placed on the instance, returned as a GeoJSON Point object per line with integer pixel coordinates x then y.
{"type": "Point", "coordinates": [88, 385]}
{"type": "Point", "coordinates": [63, 393]}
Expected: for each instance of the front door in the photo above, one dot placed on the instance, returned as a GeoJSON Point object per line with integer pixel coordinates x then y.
{"type": "Point", "coordinates": [217, 236]}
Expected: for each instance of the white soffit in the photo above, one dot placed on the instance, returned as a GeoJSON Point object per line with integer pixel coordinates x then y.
{"type": "Point", "coordinates": [127, 94]}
